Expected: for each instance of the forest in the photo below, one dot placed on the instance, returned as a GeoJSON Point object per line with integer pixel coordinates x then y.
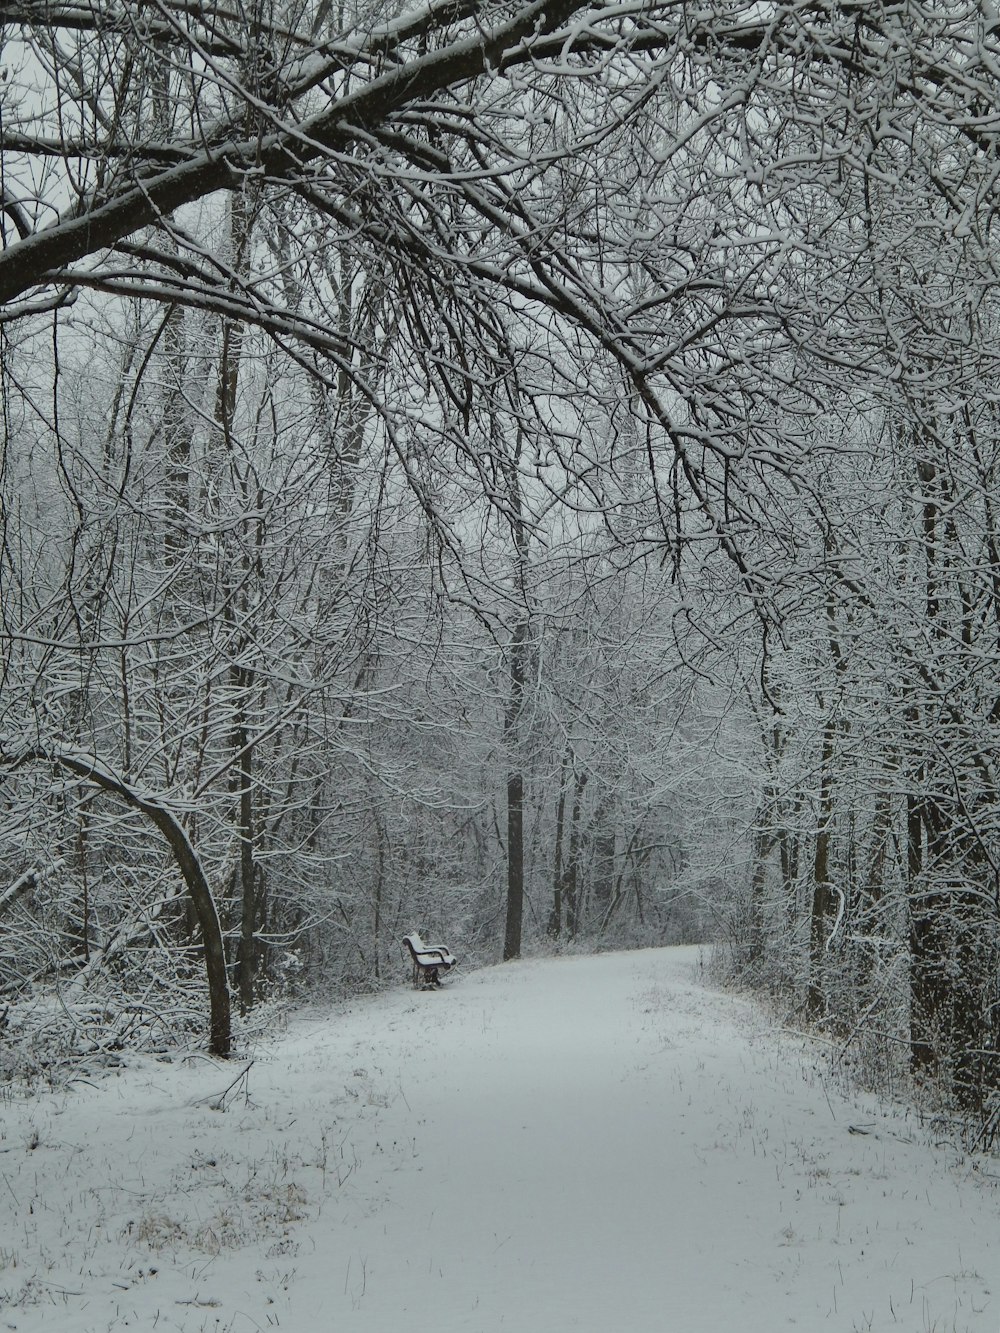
{"type": "Point", "coordinates": [522, 470]}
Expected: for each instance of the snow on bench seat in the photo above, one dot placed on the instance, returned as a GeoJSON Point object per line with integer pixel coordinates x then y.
{"type": "Point", "coordinates": [428, 960]}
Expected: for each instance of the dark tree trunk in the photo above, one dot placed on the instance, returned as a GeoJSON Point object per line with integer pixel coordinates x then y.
{"type": "Point", "coordinates": [246, 950]}
{"type": "Point", "coordinates": [556, 915]}
{"type": "Point", "coordinates": [571, 880]}
{"type": "Point", "coordinates": [822, 897]}
{"type": "Point", "coordinates": [515, 867]}
{"type": "Point", "coordinates": [515, 797]}
{"type": "Point", "coordinates": [604, 869]}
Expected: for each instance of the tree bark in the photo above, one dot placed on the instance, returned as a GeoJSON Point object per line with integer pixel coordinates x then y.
{"type": "Point", "coordinates": [556, 915]}
{"type": "Point", "coordinates": [515, 798]}
{"type": "Point", "coordinates": [571, 879]}
{"type": "Point", "coordinates": [515, 867]}
{"type": "Point", "coordinates": [819, 914]}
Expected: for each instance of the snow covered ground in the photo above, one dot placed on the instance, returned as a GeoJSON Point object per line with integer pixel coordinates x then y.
{"type": "Point", "coordinates": [590, 1143]}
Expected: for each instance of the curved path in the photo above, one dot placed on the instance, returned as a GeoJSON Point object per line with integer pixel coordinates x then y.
{"type": "Point", "coordinates": [594, 1143]}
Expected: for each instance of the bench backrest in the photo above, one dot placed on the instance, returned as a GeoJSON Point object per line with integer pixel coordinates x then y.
{"type": "Point", "coordinates": [428, 955]}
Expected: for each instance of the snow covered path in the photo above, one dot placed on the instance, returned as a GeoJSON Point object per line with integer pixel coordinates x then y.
{"type": "Point", "coordinates": [589, 1143]}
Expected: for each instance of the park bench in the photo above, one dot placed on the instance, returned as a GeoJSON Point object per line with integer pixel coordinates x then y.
{"type": "Point", "coordinates": [429, 960]}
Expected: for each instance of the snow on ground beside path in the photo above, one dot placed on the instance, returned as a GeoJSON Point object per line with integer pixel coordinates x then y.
{"type": "Point", "coordinates": [594, 1143]}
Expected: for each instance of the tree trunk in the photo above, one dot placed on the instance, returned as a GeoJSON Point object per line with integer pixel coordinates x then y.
{"type": "Point", "coordinates": [246, 949]}
{"type": "Point", "coordinates": [762, 844]}
{"type": "Point", "coordinates": [518, 675]}
{"type": "Point", "coordinates": [556, 915]}
{"type": "Point", "coordinates": [571, 881]}
{"type": "Point", "coordinates": [819, 915]}
{"type": "Point", "coordinates": [515, 797]}
{"type": "Point", "coordinates": [202, 899]}
{"type": "Point", "coordinates": [515, 867]}
{"type": "Point", "coordinates": [603, 878]}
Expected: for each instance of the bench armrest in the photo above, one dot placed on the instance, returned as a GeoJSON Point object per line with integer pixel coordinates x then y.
{"type": "Point", "coordinates": [440, 950]}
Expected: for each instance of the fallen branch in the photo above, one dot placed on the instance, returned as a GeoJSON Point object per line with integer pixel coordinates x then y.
{"type": "Point", "coordinates": [219, 1103]}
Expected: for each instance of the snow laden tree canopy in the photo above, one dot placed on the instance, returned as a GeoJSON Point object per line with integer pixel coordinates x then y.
{"type": "Point", "coordinates": [704, 199]}
{"type": "Point", "coordinates": [427, 429]}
